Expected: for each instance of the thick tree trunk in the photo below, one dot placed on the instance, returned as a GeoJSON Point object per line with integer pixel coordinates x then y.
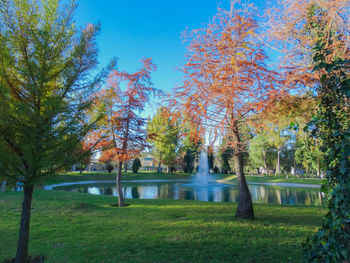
{"type": "Point", "coordinates": [23, 237]}
{"type": "Point", "coordinates": [119, 186]}
{"type": "Point", "coordinates": [245, 204]}
{"type": "Point", "coordinates": [278, 166]}
{"type": "Point", "coordinates": [3, 186]}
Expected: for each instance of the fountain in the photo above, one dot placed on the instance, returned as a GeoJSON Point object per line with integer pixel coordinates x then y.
{"type": "Point", "coordinates": [204, 184]}
{"type": "Point", "coordinates": [202, 178]}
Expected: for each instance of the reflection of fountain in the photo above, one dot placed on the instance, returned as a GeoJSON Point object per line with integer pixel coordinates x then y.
{"type": "Point", "coordinates": [204, 185]}
{"type": "Point", "coordinates": [202, 178]}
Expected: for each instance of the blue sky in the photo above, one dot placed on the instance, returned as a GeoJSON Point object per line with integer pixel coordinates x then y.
{"type": "Point", "coordinates": [133, 29]}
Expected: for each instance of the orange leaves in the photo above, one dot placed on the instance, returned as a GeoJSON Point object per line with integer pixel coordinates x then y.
{"type": "Point", "coordinates": [122, 127]}
{"type": "Point", "coordinates": [294, 27]}
{"type": "Point", "coordinates": [225, 74]}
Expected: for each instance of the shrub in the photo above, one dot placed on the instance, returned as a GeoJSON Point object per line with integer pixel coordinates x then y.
{"type": "Point", "coordinates": [109, 167]}
{"type": "Point", "coordinates": [136, 165]}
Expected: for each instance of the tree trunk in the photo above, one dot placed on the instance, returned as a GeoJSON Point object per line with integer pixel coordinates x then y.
{"type": "Point", "coordinates": [3, 186]}
{"type": "Point", "coordinates": [318, 169]}
{"type": "Point", "coordinates": [23, 237]}
{"type": "Point", "coordinates": [245, 204]}
{"type": "Point", "coordinates": [278, 166]}
{"type": "Point", "coordinates": [264, 158]}
{"type": "Point", "coordinates": [159, 167]}
{"type": "Point", "coordinates": [119, 187]}
{"type": "Point", "coordinates": [125, 167]}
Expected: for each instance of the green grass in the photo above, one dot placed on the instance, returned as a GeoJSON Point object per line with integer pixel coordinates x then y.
{"type": "Point", "coordinates": [275, 179]}
{"type": "Point", "coordinates": [72, 227]}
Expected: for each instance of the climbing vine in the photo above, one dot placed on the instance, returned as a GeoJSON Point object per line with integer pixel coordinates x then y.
{"type": "Point", "coordinates": [331, 126]}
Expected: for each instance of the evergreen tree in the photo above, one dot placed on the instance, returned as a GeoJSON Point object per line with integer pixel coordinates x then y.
{"type": "Point", "coordinates": [136, 164]}
{"type": "Point", "coordinates": [45, 91]}
{"type": "Point", "coordinates": [190, 145]}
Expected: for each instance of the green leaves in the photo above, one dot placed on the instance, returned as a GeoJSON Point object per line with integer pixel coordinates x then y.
{"type": "Point", "coordinates": [164, 136]}
{"type": "Point", "coordinates": [331, 127]}
{"type": "Point", "coordinates": [45, 87]}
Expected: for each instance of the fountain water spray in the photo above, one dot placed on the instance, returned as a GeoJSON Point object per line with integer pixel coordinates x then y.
{"type": "Point", "coordinates": [203, 177]}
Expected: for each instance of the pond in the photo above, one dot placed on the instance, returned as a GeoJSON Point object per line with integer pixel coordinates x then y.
{"type": "Point", "coordinates": [185, 190]}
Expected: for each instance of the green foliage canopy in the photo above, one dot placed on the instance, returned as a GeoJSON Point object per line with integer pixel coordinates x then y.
{"type": "Point", "coordinates": [163, 134]}
{"type": "Point", "coordinates": [45, 87]}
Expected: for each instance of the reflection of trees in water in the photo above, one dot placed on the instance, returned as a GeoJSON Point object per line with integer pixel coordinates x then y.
{"type": "Point", "coordinates": [176, 191]}
{"type": "Point", "coordinates": [135, 192]}
{"type": "Point", "coordinates": [279, 197]}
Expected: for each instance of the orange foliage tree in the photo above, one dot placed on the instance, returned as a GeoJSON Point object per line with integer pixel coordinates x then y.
{"type": "Point", "coordinates": [122, 128]}
{"type": "Point", "coordinates": [226, 79]}
{"type": "Point", "coordinates": [291, 32]}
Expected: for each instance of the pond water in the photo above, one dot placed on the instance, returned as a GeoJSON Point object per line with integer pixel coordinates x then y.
{"type": "Point", "coordinates": [185, 190]}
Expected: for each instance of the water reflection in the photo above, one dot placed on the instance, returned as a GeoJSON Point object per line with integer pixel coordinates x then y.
{"type": "Point", "coordinates": [224, 193]}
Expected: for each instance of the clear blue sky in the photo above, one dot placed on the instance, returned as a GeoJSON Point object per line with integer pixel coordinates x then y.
{"type": "Point", "coordinates": [133, 29]}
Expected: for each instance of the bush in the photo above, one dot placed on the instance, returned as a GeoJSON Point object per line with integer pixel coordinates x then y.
{"type": "Point", "coordinates": [109, 167]}
{"type": "Point", "coordinates": [136, 165]}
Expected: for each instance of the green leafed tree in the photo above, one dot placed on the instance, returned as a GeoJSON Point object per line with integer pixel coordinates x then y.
{"type": "Point", "coordinates": [45, 90]}
{"type": "Point", "coordinates": [260, 152]}
{"type": "Point", "coordinates": [163, 135]}
{"type": "Point", "coordinates": [309, 154]}
{"type": "Point", "coordinates": [190, 144]}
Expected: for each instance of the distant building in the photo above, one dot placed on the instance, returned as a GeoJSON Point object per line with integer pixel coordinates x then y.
{"type": "Point", "coordinates": [148, 162]}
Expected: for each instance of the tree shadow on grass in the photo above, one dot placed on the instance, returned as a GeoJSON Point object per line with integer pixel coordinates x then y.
{"type": "Point", "coordinates": [31, 259]}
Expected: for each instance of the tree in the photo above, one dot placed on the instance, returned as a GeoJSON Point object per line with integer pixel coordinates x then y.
{"type": "Point", "coordinates": [309, 154]}
{"type": "Point", "coordinates": [122, 127]}
{"type": "Point", "coordinates": [109, 167]}
{"type": "Point", "coordinates": [274, 127]}
{"type": "Point", "coordinates": [136, 165]}
{"type": "Point", "coordinates": [225, 80]}
{"type": "Point", "coordinates": [210, 152]}
{"type": "Point", "coordinates": [226, 155]}
{"type": "Point", "coordinates": [163, 134]}
{"type": "Point", "coordinates": [45, 91]}
{"type": "Point", "coordinates": [190, 143]}
{"type": "Point", "coordinates": [290, 34]}
{"type": "Point", "coordinates": [315, 35]}
{"type": "Point", "coordinates": [332, 126]}
{"type": "Point", "coordinates": [260, 152]}
{"type": "Point", "coordinates": [83, 155]}
{"type": "Point", "coordinates": [281, 125]}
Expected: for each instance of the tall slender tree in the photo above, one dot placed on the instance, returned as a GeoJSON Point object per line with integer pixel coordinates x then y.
{"type": "Point", "coordinates": [123, 129]}
{"type": "Point", "coordinates": [225, 80]}
{"type": "Point", "coordinates": [45, 91]}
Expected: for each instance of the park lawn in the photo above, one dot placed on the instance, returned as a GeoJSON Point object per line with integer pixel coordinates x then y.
{"type": "Point", "coordinates": [73, 227]}
{"type": "Point", "coordinates": [274, 179]}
